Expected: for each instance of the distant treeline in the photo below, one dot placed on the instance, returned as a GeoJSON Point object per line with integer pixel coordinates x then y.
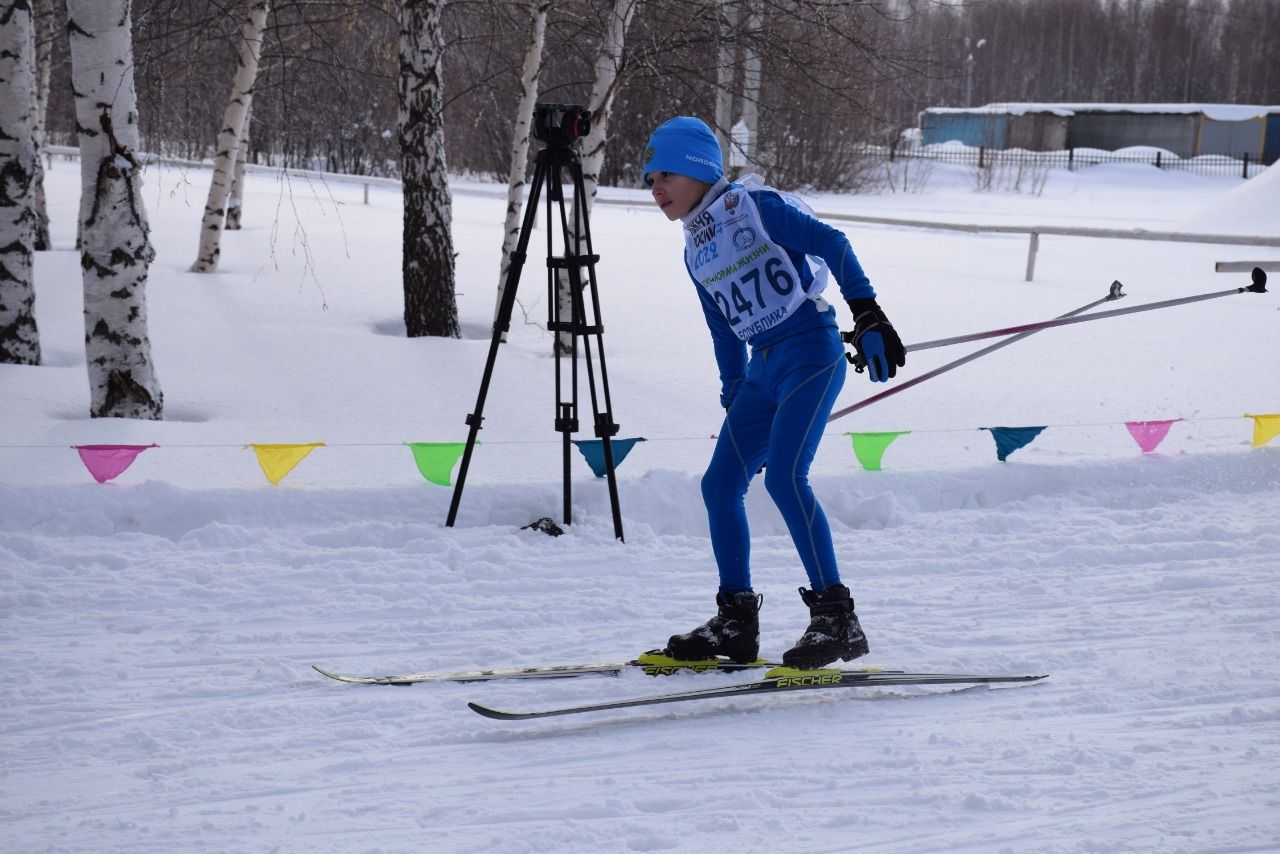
{"type": "Point", "coordinates": [834, 74]}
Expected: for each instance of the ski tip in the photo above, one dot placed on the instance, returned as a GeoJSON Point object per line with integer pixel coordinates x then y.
{"type": "Point", "coordinates": [350, 680]}
{"type": "Point", "coordinates": [495, 714]}
{"type": "Point", "coordinates": [1025, 678]}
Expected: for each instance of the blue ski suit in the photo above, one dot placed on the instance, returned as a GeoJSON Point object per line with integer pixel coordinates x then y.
{"type": "Point", "coordinates": [777, 399]}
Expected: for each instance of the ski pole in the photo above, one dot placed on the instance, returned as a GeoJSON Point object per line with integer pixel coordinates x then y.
{"type": "Point", "coordinates": [1258, 287]}
{"type": "Point", "coordinates": [1114, 293]}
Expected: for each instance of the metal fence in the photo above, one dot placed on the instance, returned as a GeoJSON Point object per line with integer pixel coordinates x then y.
{"type": "Point", "coordinates": [1245, 165]}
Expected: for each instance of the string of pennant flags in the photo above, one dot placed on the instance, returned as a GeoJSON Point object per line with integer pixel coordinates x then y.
{"type": "Point", "coordinates": [435, 460]}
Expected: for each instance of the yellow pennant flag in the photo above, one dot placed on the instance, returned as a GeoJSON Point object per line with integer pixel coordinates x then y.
{"type": "Point", "coordinates": [278, 460]}
{"type": "Point", "coordinates": [1265, 428]}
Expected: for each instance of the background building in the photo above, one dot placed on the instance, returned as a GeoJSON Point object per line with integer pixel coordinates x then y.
{"type": "Point", "coordinates": [1187, 130]}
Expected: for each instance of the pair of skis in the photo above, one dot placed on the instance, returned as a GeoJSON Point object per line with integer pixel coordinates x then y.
{"type": "Point", "coordinates": [652, 663]}
{"type": "Point", "coordinates": [777, 679]}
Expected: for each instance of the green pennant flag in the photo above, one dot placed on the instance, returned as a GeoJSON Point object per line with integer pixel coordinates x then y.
{"type": "Point", "coordinates": [870, 447]}
{"type": "Point", "coordinates": [436, 459]}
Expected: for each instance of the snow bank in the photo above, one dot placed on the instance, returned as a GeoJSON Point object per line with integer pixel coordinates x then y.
{"type": "Point", "coordinates": [157, 632]}
{"type": "Point", "coordinates": [1251, 208]}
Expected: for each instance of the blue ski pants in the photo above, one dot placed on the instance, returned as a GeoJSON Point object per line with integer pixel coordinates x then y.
{"type": "Point", "coordinates": [777, 416]}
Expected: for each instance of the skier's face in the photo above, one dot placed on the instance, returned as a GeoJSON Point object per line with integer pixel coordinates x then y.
{"type": "Point", "coordinates": [676, 194]}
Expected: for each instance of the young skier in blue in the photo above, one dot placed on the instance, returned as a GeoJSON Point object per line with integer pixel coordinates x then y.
{"type": "Point", "coordinates": [745, 249]}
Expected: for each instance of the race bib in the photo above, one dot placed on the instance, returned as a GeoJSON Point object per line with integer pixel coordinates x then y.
{"type": "Point", "coordinates": [750, 278]}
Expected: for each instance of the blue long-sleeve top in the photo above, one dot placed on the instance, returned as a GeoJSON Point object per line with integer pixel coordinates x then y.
{"type": "Point", "coordinates": [799, 234]}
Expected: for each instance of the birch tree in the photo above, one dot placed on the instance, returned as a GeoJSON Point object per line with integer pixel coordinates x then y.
{"type": "Point", "coordinates": [430, 305]}
{"type": "Point", "coordinates": [235, 202]}
{"type": "Point", "coordinates": [44, 31]}
{"type": "Point", "coordinates": [19, 338]}
{"type": "Point", "coordinates": [752, 80]}
{"type": "Point", "coordinates": [607, 78]}
{"type": "Point", "coordinates": [116, 251]}
{"type": "Point", "coordinates": [529, 73]}
{"type": "Point", "coordinates": [727, 24]}
{"type": "Point", "coordinates": [228, 147]}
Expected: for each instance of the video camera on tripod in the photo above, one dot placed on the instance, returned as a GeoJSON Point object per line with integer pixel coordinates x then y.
{"type": "Point", "coordinates": [560, 125]}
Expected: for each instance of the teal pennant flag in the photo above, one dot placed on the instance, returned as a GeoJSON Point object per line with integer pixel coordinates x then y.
{"type": "Point", "coordinates": [593, 452]}
{"type": "Point", "coordinates": [1010, 439]}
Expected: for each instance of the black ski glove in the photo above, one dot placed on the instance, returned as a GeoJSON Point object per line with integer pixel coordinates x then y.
{"type": "Point", "coordinates": [876, 340]}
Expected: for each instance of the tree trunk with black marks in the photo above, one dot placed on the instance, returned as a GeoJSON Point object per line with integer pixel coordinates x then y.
{"type": "Point", "coordinates": [726, 72]}
{"type": "Point", "coordinates": [116, 251]}
{"type": "Point", "coordinates": [44, 32]}
{"type": "Point", "coordinates": [608, 67]}
{"type": "Point", "coordinates": [529, 73]}
{"type": "Point", "coordinates": [235, 202]}
{"type": "Point", "coordinates": [430, 305]}
{"type": "Point", "coordinates": [752, 83]}
{"type": "Point", "coordinates": [19, 337]}
{"type": "Point", "coordinates": [228, 147]}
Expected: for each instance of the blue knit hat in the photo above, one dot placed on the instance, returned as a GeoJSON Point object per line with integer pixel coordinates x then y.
{"type": "Point", "coordinates": [686, 146]}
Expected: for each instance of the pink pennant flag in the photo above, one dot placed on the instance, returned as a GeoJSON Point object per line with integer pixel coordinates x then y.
{"type": "Point", "coordinates": [107, 461]}
{"type": "Point", "coordinates": [1149, 434]}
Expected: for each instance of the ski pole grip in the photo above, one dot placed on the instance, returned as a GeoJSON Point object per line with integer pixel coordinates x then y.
{"type": "Point", "coordinates": [855, 358]}
{"type": "Point", "coordinates": [1259, 277]}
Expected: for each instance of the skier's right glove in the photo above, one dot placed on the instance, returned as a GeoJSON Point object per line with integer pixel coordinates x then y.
{"type": "Point", "coordinates": [876, 340]}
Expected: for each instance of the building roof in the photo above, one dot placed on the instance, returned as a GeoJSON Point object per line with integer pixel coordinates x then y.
{"type": "Point", "coordinates": [1220, 112]}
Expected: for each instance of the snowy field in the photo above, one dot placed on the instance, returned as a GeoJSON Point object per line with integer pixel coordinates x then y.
{"type": "Point", "coordinates": [157, 632]}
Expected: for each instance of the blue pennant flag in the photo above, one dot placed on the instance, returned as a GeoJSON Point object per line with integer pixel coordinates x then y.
{"type": "Point", "coordinates": [593, 452]}
{"type": "Point", "coordinates": [1010, 439]}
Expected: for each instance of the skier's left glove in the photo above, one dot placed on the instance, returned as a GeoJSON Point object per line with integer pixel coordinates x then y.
{"type": "Point", "coordinates": [876, 340]}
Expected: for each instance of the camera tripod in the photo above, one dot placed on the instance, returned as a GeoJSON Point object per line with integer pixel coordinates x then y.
{"type": "Point", "coordinates": [550, 167]}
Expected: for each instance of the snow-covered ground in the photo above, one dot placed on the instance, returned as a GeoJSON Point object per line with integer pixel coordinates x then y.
{"type": "Point", "coordinates": [156, 632]}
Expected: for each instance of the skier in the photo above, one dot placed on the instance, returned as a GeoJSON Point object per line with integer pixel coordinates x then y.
{"type": "Point", "coordinates": [745, 249]}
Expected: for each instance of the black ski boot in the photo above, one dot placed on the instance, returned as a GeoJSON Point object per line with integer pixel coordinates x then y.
{"type": "Point", "coordinates": [733, 632]}
{"type": "Point", "coordinates": [833, 631]}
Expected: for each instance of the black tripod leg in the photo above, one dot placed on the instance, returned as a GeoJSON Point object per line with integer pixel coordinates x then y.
{"type": "Point", "coordinates": [566, 398]}
{"type": "Point", "coordinates": [501, 324]}
{"type": "Point", "coordinates": [605, 428]}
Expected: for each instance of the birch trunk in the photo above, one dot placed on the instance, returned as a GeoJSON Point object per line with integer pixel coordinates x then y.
{"type": "Point", "coordinates": [725, 74]}
{"type": "Point", "coordinates": [19, 337]}
{"type": "Point", "coordinates": [235, 202]}
{"type": "Point", "coordinates": [607, 71]}
{"type": "Point", "coordinates": [430, 305]}
{"type": "Point", "coordinates": [44, 32]}
{"type": "Point", "coordinates": [228, 148]}
{"type": "Point", "coordinates": [116, 250]}
{"type": "Point", "coordinates": [752, 78]}
{"type": "Point", "coordinates": [529, 73]}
